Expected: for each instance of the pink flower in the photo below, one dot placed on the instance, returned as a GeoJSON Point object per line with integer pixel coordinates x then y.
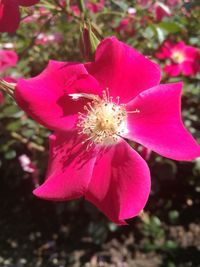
{"type": "Point", "coordinates": [10, 15]}
{"type": "Point", "coordinates": [173, 2]}
{"type": "Point", "coordinates": [161, 10]}
{"type": "Point", "coordinates": [29, 167]}
{"type": "Point", "coordinates": [44, 39]}
{"type": "Point", "coordinates": [158, 9]}
{"type": "Point", "coordinates": [8, 59]}
{"type": "Point", "coordinates": [95, 7]}
{"type": "Point", "coordinates": [144, 3]}
{"type": "Point", "coordinates": [184, 59]}
{"type": "Point", "coordinates": [39, 16]}
{"type": "Point", "coordinates": [75, 10]}
{"type": "Point", "coordinates": [26, 164]}
{"type": "Point", "coordinates": [126, 25]}
{"type": "Point", "coordinates": [92, 107]}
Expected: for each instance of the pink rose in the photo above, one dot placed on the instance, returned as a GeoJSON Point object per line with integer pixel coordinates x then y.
{"type": "Point", "coordinates": [184, 59]}
{"type": "Point", "coordinates": [10, 15]}
{"type": "Point", "coordinates": [93, 108]}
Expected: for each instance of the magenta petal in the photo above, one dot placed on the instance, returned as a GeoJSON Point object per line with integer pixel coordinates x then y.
{"type": "Point", "coordinates": [191, 52]}
{"type": "Point", "coordinates": [85, 83]}
{"type": "Point", "coordinates": [8, 59]}
{"type": "Point", "coordinates": [122, 69]}
{"type": "Point", "coordinates": [158, 126]}
{"type": "Point", "coordinates": [9, 16]}
{"type": "Point", "coordinates": [189, 68]}
{"type": "Point", "coordinates": [46, 97]}
{"type": "Point", "coordinates": [120, 184]}
{"type": "Point", "coordinates": [69, 170]}
{"type": "Point", "coordinates": [27, 2]}
{"type": "Point", "coordinates": [173, 69]}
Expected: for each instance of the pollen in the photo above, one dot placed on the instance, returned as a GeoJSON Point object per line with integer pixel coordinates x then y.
{"type": "Point", "coordinates": [104, 121]}
{"type": "Point", "coordinates": [178, 57]}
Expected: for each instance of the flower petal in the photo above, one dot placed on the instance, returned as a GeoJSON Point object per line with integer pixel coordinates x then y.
{"type": "Point", "coordinates": [120, 184]}
{"type": "Point", "coordinates": [173, 69]}
{"type": "Point", "coordinates": [8, 59]}
{"type": "Point", "coordinates": [46, 97]}
{"type": "Point", "coordinates": [27, 2]}
{"type": "Point", "coordinates": [69, 170]}
{"type": "Point", "coordinates": [189, 68]}
{"type": "Point", "coordinates": [165, 50]}
{"type": "Point", "coordinates": [9, 16]}
{"type": "Point", "coordinates": [158, 126]}
{"type": "Point", "coordinates": [122, 69]}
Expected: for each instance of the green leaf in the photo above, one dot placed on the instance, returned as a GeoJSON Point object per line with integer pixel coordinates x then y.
{"type": "Point", "coordinates": [170, 27]}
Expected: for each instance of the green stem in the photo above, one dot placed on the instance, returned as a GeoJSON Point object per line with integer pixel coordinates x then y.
{"type": "Point", "coordinates": [81, 5]}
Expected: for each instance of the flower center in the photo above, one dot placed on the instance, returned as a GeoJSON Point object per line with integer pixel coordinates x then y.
{"type": "Point", "coordinates": [178, 57]}
{"type": "Point", "coordinates": [104, 120]}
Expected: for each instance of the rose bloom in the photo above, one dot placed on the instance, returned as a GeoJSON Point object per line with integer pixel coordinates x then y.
{"type": "Point", "coordinates": [184, 59]}
{"type": "Point", "coordinates": [8, 59]}
{"type": "Point", "coordinates": [10, 14]}
{"type": "Point", "coordinates": [93, 108]}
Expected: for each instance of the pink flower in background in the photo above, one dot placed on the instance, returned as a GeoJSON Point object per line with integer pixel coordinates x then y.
{"type": "Point", "coordinates": [44, 38]}
{"type": "Point", "coordinates": [8, 59]}
{"type": "Point", "coordinates": [126, 25]}
{"type": "Point", "coordinates": [75, 10]}
{"type": "Point", "coordinates": [157, 9]}
{"type": "Point", "coordinates": [161, 10]}
{"type": "Point", "coordinates": [29, 167]}
{"type": "Point", "coordinates": [95, 7]}
{"type": "Point", "coordinates": [173, 3]}
{"type": "Point", "coordinates": [92, 109]}
{"type": "Point", "coordinates": [26, 164]}
{"type": "Point", "coordinates": [38, 16]}
{"type": "Point", "coordinates": [184, 59]}
{"type": "Point", "coordinates": [10, 14]}
{"type": "Point", "coordinates": [144, 3]}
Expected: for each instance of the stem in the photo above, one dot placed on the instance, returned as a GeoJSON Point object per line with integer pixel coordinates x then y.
{"type": "Point", "coordinates": [25, 141]}
{"type": "Point", "coordinates": [114, 13]}
{"type": "Point", "coordinates": [81, 5]}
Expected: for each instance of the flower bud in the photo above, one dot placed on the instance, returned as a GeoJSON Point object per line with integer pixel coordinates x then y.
{"type": "Point", "coordinates": [89, 40]}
